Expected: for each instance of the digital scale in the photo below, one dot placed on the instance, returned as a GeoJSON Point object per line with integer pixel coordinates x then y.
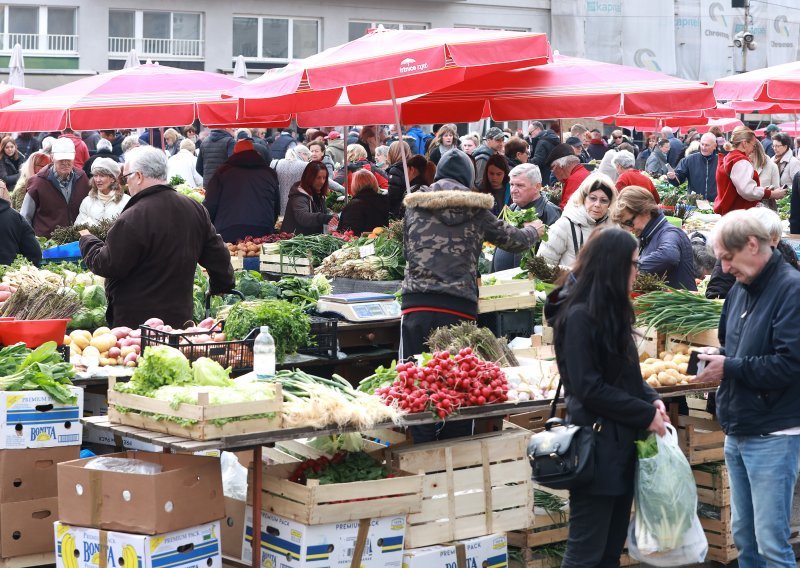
{"type": "Point", "coordinates": [360, 306]}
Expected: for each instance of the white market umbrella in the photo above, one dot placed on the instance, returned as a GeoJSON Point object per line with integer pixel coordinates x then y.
{"type": "Point", "coordinates": [16, 67]}
{"type": "Point", "coordinates": [240, 69]}
{"type": "Point", "coordinates": [132, 60]}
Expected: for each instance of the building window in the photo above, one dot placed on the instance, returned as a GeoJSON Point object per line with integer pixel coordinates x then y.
{"type": "Point", "coordinates": [156, 34]}
{"type": "Point", "coordinates": [39, 28]}
{"type": "Point", "coordinates": [274, 40]}
{"type": "Point", "coordinates": [358, 28]}
{"type": "Point", "coordinates": [498, 28]}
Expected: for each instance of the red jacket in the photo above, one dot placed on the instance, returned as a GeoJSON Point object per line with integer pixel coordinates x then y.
{"type": "Point", "coordinates": [635, 177]}
{"type": "Point", "coordinates": [728, 198]}
{"type": "Point", "coordinates": [575, 179]}
{"type": "Point", "coordinates": [81, 151]}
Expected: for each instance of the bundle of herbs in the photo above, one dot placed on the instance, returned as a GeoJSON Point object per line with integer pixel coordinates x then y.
{"type": "Point", "coordinates": [483, 342]}
{"type": "Point", "coordinates": [313, 247]}
{"type": "Point", "coordinates": [518, 218]}
{"type": "Point", "coordinates": [539, 268]}
{"type": "Point", "coordinates": [677, 312]}
{"type": "Point", "coordinates": [287, 322]}
{"type": "Point", "coordinates": [648, 282]}
{"type": "Point", "coordinates": [41, 301]}
{"type": "Point", "coordinates": [64, 235]}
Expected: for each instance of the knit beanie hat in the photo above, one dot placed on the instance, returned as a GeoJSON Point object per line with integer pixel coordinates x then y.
{"type": "Point", "coordinates": [456, 165]}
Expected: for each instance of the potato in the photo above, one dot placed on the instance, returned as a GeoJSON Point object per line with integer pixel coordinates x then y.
{"type": "Point", "coordinates": [67, 340]}
{"type": "Point", "coordinates": [653, 381]}
{"type": "Point", "coordinates": [79, 339]}
{"type": "Point", "coordinates": [101, 331]}
{"type": "Point", "coordinates": [91, 352]}
{"type": "Point", "coordinates": [668, 357]}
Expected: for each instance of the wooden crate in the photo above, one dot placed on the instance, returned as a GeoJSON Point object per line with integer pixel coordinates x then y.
{"type": "Point", "coordinates": [273, 261]}
{"type": "Point", "coordinates": [721, 547]}
{"type": "Point", "coordinates": [547, 529]}
{"type": "Point", "coordinates": [699, 434]}
{"type": "Point", "coordinates": [315, 504]}
{"type": "Point", "coordinates": [513, 295]}
{"type": "Point", "coordinates": [237, 261]}
{"type": "Point", "coordinates": [203, 413]}
{"type": "Point", "coordinates": [649, 342]}
{"type": "Point", "coordinates": [472, 487]}
{"type": "Point", "coordinates": [532, 421]}
{"type": "Point", "coordinates": [713, 488]}
{"type": "Point", "coordinates": [706, 338]}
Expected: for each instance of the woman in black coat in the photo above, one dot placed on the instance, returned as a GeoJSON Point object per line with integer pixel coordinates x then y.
{"type": "Point", "coordinates": [368, 208]}
{"type": "Point", "coordinates": [10, 161]}
{"type": "Point", "coordinates": [597, 359]}
{"type": "Point", "coordinates": [306, 212]}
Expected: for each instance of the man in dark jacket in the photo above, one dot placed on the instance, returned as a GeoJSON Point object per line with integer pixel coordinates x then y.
{"type": "Point", "coordinates": [492, 144]}
{"type": "Point", "coordinates": [597, 146]}
{"type": "Point", "coordinates": [151, 253]}
{"type": "Point", "coordinates": [16, 236]}
{"type": "Point", "coordinates": [104, 150]}
{"type": "Point", "coordinates": [217, 148]}
{"type": "Point", "coordinates": [544, 142]}
{"type": "Point", "coordinates": [676, 147]}
{"type": "Point", "coordinates": [55, 194]}
{"type": "Point", "coordinates": [115, 139]}
{"type": "Point", "coordinates": [27, 143]}
{"type": "Point", "coordinates": [757, 400]}
{"type": "Point", "coordinates": [242, 197]}
{"type": "Point", "coordinates": [699, 169]}
{"type": "Point", "coordinates": [766, 142]}
{"type": "Point", "coordinates": [285, 141]}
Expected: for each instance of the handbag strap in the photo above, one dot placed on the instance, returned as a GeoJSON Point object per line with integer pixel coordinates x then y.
{"type": "Point", "coordinates": [598, 423]}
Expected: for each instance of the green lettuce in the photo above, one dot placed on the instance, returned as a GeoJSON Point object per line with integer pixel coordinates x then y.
{"type": "Point", "coordinates": [159, 365]}
{"type": "Point", "coordinates": [210, 373]}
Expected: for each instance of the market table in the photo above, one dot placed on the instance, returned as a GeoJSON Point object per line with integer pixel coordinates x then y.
{"type": "Point", "coordinates": [256, 440]}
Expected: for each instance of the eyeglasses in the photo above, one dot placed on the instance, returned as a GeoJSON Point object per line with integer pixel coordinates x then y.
{"type": "Point", "coordinates": [601, 200]}
{"type": "Point", "coordinates": [125, 176]}
{"type": "Point", "coordinates": [617, 137]}
{"type": "Point", "coordinates": [629, 222]}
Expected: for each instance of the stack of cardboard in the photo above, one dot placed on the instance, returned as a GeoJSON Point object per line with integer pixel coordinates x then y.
{"type": "Point", "coordinates": [36, 433]}
{"type": "Point", "coordinates": [145, 520]}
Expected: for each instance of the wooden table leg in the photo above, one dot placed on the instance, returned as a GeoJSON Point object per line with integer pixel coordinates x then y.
{"type": "Point", "coordinates": [256, 542]}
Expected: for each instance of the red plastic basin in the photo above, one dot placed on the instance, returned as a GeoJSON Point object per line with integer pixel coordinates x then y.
{"type": "Point", "coordinates": [33, 333]}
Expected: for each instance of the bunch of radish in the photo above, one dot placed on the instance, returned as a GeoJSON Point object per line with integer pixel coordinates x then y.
{"type": "Point", "coordinates": [118, 346]}
{"type": "Point", "coordinates": [446, 383]}
{"type": "Point", "coordinates": [207, 331]}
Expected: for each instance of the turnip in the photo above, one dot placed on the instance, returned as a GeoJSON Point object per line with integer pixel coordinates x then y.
{"type": "Point", "coordinates": [154, 322]}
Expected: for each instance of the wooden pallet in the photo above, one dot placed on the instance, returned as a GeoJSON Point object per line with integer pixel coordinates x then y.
{"type": "Point", "coordinates": [472, 487]}
{"type": "Point", "coordinates": [513, 295]}
{"type": "Point", "coordinates": [202, 413]}
{"type": "Point", "coordinates": [315, 504]}
{"type": "Point", "coordinates": [39, 559]}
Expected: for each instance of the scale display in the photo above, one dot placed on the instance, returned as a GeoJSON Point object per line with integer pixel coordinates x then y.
{"type": "Point", "coordinates": [360, 306]}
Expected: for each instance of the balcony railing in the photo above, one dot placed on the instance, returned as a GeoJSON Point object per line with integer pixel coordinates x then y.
{"type": "Point", "coordinates": [36, 43]}
{"type": "Point", "coordinates": [154, 47]}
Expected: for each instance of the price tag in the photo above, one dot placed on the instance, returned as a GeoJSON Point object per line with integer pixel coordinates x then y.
{"type": "Point", "coordinates": [488, 256]}
{"type": "Point", "coordinates": [366, 250]}
{"type": "Point", "coordinates": [703, 204]}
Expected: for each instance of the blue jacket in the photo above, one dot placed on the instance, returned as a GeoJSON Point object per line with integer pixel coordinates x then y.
{"type": "Point", "coordinates": [676, 149]}
{"type": "Point", "coordinates": [419, 137]}
{"type": "Point", "coordinates": [760, 391]}
{"type": "Point", "coordinates": [700, 171]}
{"type": "Point", "coordinates": [666, 249]}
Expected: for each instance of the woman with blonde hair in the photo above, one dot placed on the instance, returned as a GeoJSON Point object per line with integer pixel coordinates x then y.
{"type": "Point", "coordinates": [738, 183]}
{"type": "Point", "coordinates": [357, 160]}
{"type": "Point", "coordinates": [587, 209]}
{"type": "Point", "coordinates": [30, 168]}
{"type": "Point", "coordinates": [446, 139]}
{"type": "Point", "coordinates": [368, 208]}
{"type": "Point", "coordinates": [172, 141]}
{"type": "Point", "coordinates": [106, 197]}
{"type": "Point", "coordinates": [470, 143]}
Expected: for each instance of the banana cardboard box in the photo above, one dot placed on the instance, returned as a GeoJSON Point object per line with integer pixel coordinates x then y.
{"type": "Point", "coordinates": [26, 527]}
{"type": "Point", "coordinates": [196, 547]}
{"type": "Point", "coordinates": [489, 551]}
{"type": "Point", "coordinates": [187, 492]}
{"type": "Point", "coordinates": [33, 419]}
{"type": "Point", "coordinates": [289, 544]}
{"type": "Point", "coordinates": [31, 473]}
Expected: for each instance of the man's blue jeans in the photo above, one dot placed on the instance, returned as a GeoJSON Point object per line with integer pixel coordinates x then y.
{"type": "Point", "coordinates": [763, 471]}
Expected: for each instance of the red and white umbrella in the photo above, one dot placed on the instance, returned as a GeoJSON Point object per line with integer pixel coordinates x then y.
{"type": "Point", "coordinates": [777, 84]}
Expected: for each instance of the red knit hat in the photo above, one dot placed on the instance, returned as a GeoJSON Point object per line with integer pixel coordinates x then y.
{"type": "Point", "coordinates": [243, 146]}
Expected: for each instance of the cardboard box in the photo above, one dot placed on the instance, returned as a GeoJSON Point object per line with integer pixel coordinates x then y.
{"type": "Point", "coordinates": [490, 551]}
{"type": "Point", "coordinates": [288, 544]}
{"type": "Point", "coordinates": [31, 473]}
{"type": "Point", "coordinates": [79, 547]}
{"type": "Point", "coordinates": [186, 493]}
{"type": "Point", "coordinates": [33, 419]}
{"type": "Point", "coordinates": [94, 436]}
{"type": "Point", "coordinates": [233, 528]}
{"type": "Point", "coordinates": [95, 404]}
{"type": "Point", "coordinates": [26, 527]}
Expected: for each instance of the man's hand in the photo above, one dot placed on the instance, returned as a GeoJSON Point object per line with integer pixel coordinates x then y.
{"type": "Point", "coordinates": [671, 174]}
{"type": "Point", "coordinates": [84, 232]}
{"type": "Point", "coordinates": [779, 193]}
{"type": "Point", "coordinates": [714, 370]}
{"type": "Point", "coordinates": [538, 225]}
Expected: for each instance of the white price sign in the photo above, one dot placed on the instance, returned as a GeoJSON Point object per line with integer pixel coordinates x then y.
{"type": "Point", "coordinates": [366, 250]}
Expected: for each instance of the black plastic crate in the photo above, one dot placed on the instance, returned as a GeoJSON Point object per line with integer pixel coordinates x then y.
{"type": "Point", "coordinates": [235, 354]}
{"type": "Point", "coordinates": [509, 324]}
{"type": "Point", "coordinates": [322, 337]}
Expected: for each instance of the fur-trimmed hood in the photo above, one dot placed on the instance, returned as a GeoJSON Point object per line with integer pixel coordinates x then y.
{"type": "Point", "coordinates": [451, 207]}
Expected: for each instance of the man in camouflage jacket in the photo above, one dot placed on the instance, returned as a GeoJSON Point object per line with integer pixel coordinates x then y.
{"type": "Point", "coordinates": [445, 227]}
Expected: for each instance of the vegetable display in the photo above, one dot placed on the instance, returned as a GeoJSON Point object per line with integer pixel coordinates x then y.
{"type": "Point", "coordinates": [383, 258]}
{"type": "Point", "coordinates": [677, 312]}
{"type": "Point", "coordinates": [480, 339]}
{"type": "Point", "coordinates": [251, 246]}
{"type": "Point", "coordinates": [669, 369]}
{"type": "Point", "coordinates": [446, 383]}
{"type": "Point", "coordinates": [539, 268]}
{"type": "Point", "coordinates": [648, 282]}
{"type": "Point", "coordinates": [343, 467]}
{"type": "Point", "coordinates": [287, 322]}
{"type": "Point", "coordinates": [41, 301]}
{"type": "Point", "coordinates": [118, 346]}
{"type": "Point", "coordinates": [313, 247]}
{"type": "Point", "coordinates": [24, 369]}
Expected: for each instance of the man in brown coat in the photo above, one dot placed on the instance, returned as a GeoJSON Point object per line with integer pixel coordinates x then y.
{"type": "Point", "coordinates": [54, 194]}
{"type": "Point", "coordinates": [151, 253]}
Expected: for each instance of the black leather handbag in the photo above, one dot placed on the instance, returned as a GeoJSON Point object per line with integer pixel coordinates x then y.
{"type": "Point", "coordinates": [563, 455]}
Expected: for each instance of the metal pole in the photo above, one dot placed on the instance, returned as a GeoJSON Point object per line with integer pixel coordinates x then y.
{"type": "Point", "coordinates": [400, 133]}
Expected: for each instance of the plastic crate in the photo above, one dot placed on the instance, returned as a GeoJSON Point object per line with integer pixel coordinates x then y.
{"type": "Point", "coordinates": [323, 337]}
{"type": "Point", "coordinates": [509, 324]}
{"type": "Point", "coordinates": [235, 354]}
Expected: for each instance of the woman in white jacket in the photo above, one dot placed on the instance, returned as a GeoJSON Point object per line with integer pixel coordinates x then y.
{"type": "Point", "coordinates": [106, 198]}
{"type": "Point", "coordinates": [183, 164]}
{"type": "Point", "coordinates": [586, 209]}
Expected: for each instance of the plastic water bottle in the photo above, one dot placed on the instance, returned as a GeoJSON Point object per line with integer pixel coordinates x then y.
{"type": "Point", "coordinates": [264, 355]}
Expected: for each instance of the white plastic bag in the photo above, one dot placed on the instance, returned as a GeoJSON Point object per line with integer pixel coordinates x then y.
{"type": "Point", "coordinates": [665, 526]}
{"type": "Point", "coordinates": [124, 465]}
{"type": "Point", "coordinates": [234, 477]}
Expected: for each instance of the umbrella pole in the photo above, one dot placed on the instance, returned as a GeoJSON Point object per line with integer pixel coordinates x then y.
{"type": "Point", "coordinates": [344, 166]}
{"type": "Point", "coordinates": [400, 133]}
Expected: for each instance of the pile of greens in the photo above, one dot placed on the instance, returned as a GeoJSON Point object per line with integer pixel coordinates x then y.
{"type": "Point", "coordinates": [287, 322]}
{"type": "Point", "coordinates": [92, 313]}
{"type": "Point", "coordinates": [313, 247]}
{"type": "Point", "coordinates": [42, 368]}
{"type": "Point", "coordinates": [343, 467]}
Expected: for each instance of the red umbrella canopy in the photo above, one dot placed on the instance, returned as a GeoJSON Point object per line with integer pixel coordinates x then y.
{"type": "Point", "coordinates": [792, 128]}
{"type": "Point", "coordinates": [147, 96]}
{"type": "Point", "coordinates": [569, 87]}
{"type": "Point", "coordinates": [410, 60]}
{"type": "Point", "coordinates": [776, 84]}
{"type": "Point", "coordinates": [9, 94]}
